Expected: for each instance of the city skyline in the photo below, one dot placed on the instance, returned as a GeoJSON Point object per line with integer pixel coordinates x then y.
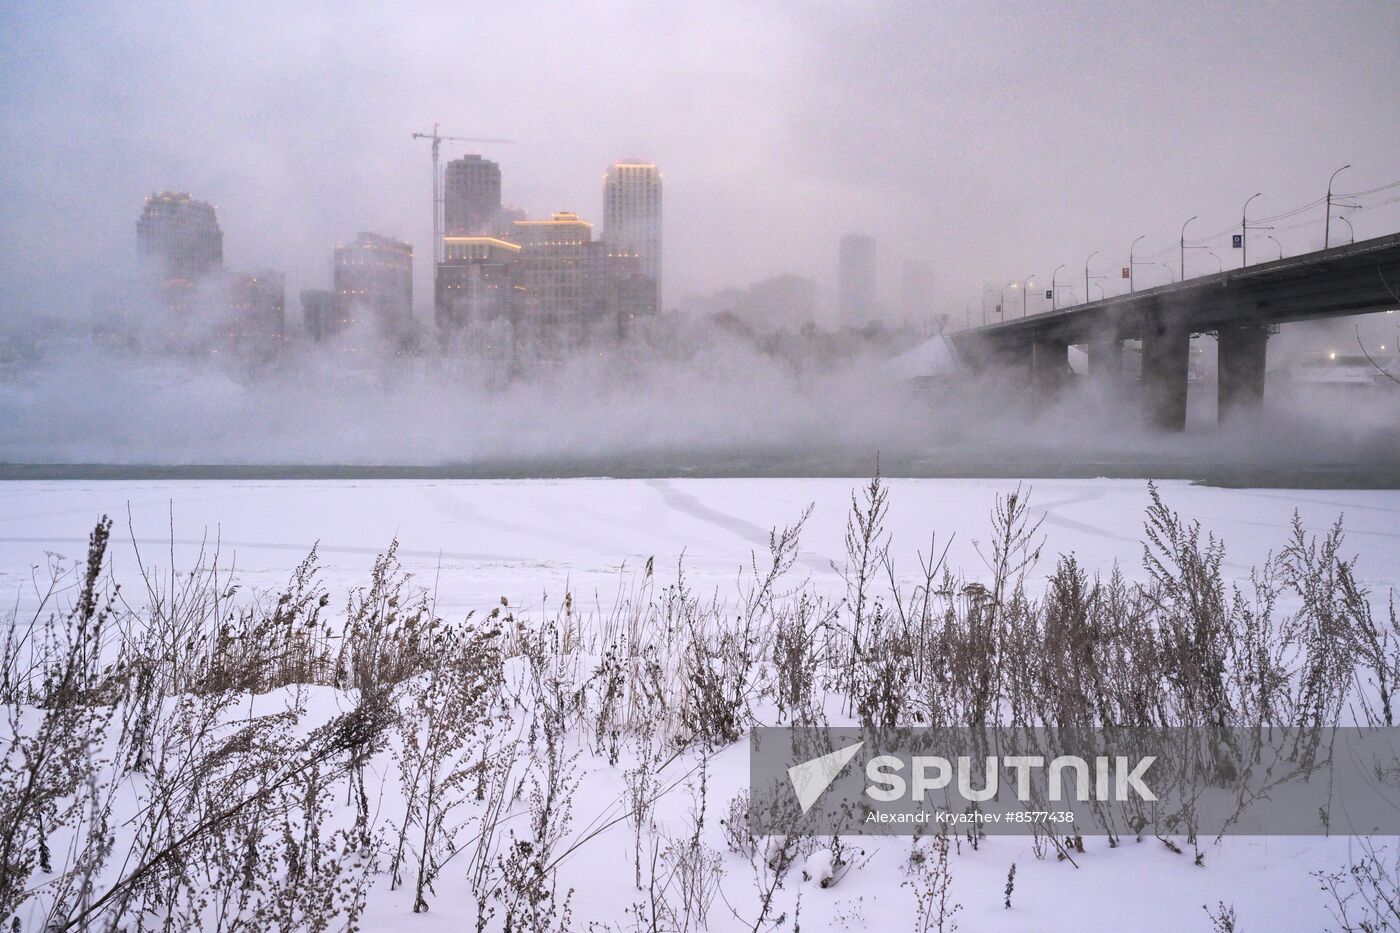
{"type": "Point", "coordinates": [931, 137]}
{"type": "Point", "coordinates": [490, 263]}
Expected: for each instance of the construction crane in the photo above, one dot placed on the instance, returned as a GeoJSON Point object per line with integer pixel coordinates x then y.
{"type": "Point", "coordinates": [438, 140]}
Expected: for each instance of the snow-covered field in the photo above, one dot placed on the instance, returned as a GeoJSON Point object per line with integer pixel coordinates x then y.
{"type": "Point", "coordinates": [530, 541]}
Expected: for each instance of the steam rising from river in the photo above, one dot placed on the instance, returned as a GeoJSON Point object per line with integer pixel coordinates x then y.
{"type": "Point", "coordinates": [679, 396]}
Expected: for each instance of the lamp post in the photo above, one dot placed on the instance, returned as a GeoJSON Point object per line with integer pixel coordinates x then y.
{"type": "Point", "coordinates": [1280, 247]}
{"type": "Point", "coordinates": [1003, 297]}
{"type": "Point", "coordinates": [1131, 289]}
{"type": "Point", "coordinates": [1244, 232]}
{"type": "Point", "coordinates": [1327, 225]}
{"type": "Point", "coordinates": [1171, 275]}
{"type": "Point", "coordinates": [1055, 295]}
{"type": "Point", "coordinates": [1086, 275]}
{"type": "Point", "coordinates": [1350, 229]}
{"type": "Point", "coordinates": [1183, 249]}
{"type": "Point", "coordinates": [1025, 288]}
{"type": "Point", "coordinates": [997, 303]}
{"type": "Point", "coordinates": [1219, 264]}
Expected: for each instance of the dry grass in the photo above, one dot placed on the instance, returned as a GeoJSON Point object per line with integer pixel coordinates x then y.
{"type": "Point", "coordinates": [118, 702]}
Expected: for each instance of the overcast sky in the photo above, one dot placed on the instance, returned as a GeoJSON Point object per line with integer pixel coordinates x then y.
{"type": "Point", "coordinates": [991, 144]}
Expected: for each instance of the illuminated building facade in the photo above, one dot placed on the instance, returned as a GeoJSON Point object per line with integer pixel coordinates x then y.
{"type": "Point", "coordinates": [257, 309]}
{"type": "Point", "coordinates": [373, 279]}
{"type": "Point", "coordinates": [319, 315]}
{"type": "Point", "coordinates": [553, 257]}
{"type": "Point", "coordinates": [180, 236]}
{"type": "Point", "coordinates": [615, 290]}
{"type": "Point", "coordinates": [549, 280]}
{"type": "Point", "coordinates": [632, 215]}
{"type": "Point", "coordinates": [477, 282]}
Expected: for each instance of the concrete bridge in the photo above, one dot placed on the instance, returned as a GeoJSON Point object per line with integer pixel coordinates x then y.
{"type": "Point", "coordinates": [1239, 306]}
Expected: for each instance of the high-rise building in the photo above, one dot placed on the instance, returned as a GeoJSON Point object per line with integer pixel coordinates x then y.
{"type": "Point", "coordinates": [180, 235]}
{"type": "Point", "coordinates": [476, 281]}
{"type": "Point", "coordinates": [374, 280]}
{"type": "Point", "coordinates": [319, 315]}
{"type": "Point", "coordinates": [257, 305]}
{"type": "Point", "coordinates": [632, 215]}
{"type": "Point", "coordinates": [631, 296]}
{"type": "Point", "coordinates": [553, 261]}
{"type": "Point", "coordinates": [551, 280]}
{"type": "Point", "coordinates": [615, 290]}
{"type": "Point", "coordinates": [471, 196]}
{"type": "Point", "coordinates": [856, 280]}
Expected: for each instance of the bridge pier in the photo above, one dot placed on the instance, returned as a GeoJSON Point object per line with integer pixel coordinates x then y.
{"type": "Point", "coordinates": [1049, 366]}
{"type": "Point", "coordinates": [1105, 353]}
{"type": "Point", "coordinates": [1241, 354]}
{"type": "Point", "coordinates": [1166, 351]}
{"type": "Point", "coordinates": [1017, 362]}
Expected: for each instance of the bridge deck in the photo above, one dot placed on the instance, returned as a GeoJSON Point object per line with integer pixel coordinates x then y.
{"type": "Point", "coordinates": [1354, 279]}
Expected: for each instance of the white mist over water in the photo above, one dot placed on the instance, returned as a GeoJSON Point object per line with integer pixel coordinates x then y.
{"type": "Point", "coordinates": [680, 396]}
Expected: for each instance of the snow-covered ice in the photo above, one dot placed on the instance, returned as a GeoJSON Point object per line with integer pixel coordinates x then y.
{"type": "Point", "coordinates": [525, 539]}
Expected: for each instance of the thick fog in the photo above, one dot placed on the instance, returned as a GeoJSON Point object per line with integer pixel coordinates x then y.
{"type": "Point", "coordinates": [991, 143]}
{"type": "Point", "coordinates": [982, 145]}
{"type": "Point", "coordinates": [705, 397]}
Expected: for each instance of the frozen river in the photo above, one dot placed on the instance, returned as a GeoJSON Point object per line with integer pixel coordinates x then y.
{"type": "Point", "coordinates": [530, 540]}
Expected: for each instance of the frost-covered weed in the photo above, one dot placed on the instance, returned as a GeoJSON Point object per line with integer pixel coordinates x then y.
{"type": "Point", "coordinates": [190, 702]}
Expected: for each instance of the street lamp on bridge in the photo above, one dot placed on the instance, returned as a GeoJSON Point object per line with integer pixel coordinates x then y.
{"type": "Point", "coordinates": [1025, 288]}
{"type": "Point", "coordinates": [1280, 247]}
{"type": "Point", "coordinates": [1171, 275]}
{"type": "Point", "coordinates": [1054, 294]}
{"type": "Point", "coordinates": [1244, 231]}
{"type": "Point", "coordinates": [1219, 263]}
{"type": "Point", "coordinates": [1087, 299]}
{"type": "Point", "coordinates": [1350, 229]}
{"type": "Point", "coordinates": [1132, 262]}
{"type": "Point", "coordinates": [1327, 224]}
{"type": "Point", "coordinates": [1002, 306]}
{"type": "Point", "coordinates": [1183, 248]}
